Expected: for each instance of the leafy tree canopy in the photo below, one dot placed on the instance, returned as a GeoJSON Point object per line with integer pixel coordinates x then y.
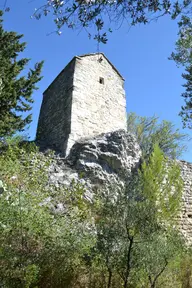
{"type": "Point", "coordinates": [121, 237]}
{"type": "Point", "coordinates": [100, 13]}
{"type": "Point", "coordinates": [183, 56]}
{"type": "Point", "coordinates": [15, 90]}
{"type": "Point", "coordinates": [39, 247]}
{"type": "Point", "coordinates": [149, 131]}
{"type": "Point", "coordinates": [133, 242]}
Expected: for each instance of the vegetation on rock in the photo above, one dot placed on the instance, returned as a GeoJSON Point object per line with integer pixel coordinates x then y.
{"type": "Point", "coordinates": [121, 239]}
{"type": "Point", "coordinates": [124, 237]}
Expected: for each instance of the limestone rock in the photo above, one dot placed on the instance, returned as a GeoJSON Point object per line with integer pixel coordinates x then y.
{"type": "Point", "coordinates": [99, 161]}
{"type": "Point", "coordinates": [108, 159]}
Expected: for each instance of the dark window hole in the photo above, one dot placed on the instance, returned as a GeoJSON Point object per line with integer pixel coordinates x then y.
{"type": "Point", "coordinates": [101, 80]}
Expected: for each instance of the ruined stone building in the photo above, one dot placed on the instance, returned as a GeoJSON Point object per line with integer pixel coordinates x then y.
{"type": "Point", "coordinates": [87, 98]}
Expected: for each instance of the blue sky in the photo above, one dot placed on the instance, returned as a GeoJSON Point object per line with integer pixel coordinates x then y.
{"type": "Point", "coordinates": [152, 82]}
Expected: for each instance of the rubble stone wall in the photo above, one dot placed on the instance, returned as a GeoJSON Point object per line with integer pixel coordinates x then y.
{"type": "Point", "coordinates": [185, 219]}
{"type": "Point", "coordinates": [54, 124]}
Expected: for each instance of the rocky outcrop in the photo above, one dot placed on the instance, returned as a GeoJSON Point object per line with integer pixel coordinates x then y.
{"type": "Point", "coordinates": [98, 161]}
{"type": "Point", "coordinates": [109, 159]}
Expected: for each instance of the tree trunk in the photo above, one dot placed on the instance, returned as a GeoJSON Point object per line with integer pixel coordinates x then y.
{"type": "Point", "coordinates": [128, 262]}
{"type": "Point", "coordinates": [109, 278]}
{"type": "Point", "coordinates": [153, 282]}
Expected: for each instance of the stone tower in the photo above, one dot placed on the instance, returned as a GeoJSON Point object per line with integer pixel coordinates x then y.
{"type": "Point", "coordinates": [87, 98]}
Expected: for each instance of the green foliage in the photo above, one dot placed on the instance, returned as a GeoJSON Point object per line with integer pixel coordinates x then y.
{"type": "Point", "coordinates": [149, 132]}
{"type": "Point", "coordinates": [106, 14]}
{"type": "Point", "coordinates": [23, 221]}
{"type": "Point", "coordinates": [162, 184]}
{"type": "Point", "coordinates": [185, 271]}
{"type": "Point", "coordinates": [183, 57]}
{"type": "Point", "coordinates": [87, 13]}
{"type": "Point", "coordinates": [158, 254]}
{"type": "Point", "coordinates": [131, 224]}
{"type": "Point", "coordinates": [38, 247]}
{"type": "Point", "coordinates": [15, 90]}
{"type": "Point", "coordinates": [120, 238]}
{"type": "Point", "coordinates": [186, 111]}
{"type": "Point", "coordinates": [183, 54]}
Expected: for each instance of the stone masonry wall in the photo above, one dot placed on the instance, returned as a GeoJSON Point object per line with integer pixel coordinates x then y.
{"type": "Point", "coordinates": [96, 108]}
{"type": "Point", "coordinates": [54, 124]}
{"type": "Point", "coordinates": [76, 105]}
{"type": "Point", "coordinates": [185, 220]}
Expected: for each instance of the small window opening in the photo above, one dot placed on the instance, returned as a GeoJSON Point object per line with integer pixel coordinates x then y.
{"type": "Point", "coordinates": [100, 59]}
{"type": "Point", "coordinates": [101, 80]}
{"type": "Point", "coordinates": [189, 215]}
